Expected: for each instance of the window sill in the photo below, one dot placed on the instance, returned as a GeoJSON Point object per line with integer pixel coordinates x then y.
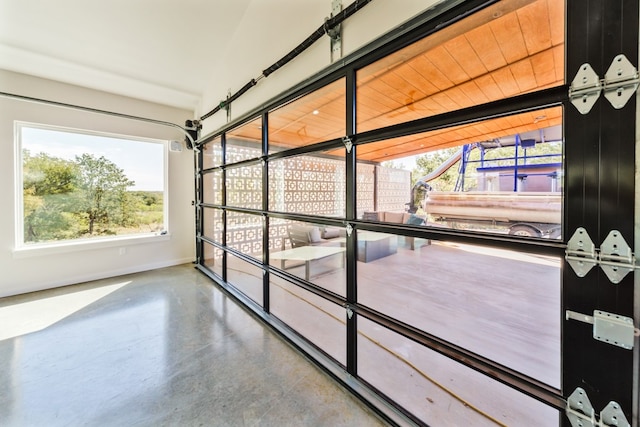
{"type": "Point", "coordinates": [87, 244]}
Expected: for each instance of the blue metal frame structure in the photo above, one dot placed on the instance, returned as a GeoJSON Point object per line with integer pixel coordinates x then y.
{"type": "Point", "coordinates": [514, 160]}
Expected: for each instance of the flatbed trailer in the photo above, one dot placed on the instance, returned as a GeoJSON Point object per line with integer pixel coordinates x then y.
{"type": "Point", "coordinates": [535, 214]}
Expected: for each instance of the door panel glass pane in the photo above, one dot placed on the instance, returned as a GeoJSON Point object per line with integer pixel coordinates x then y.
{"type": "Point", "coordinates": [316, 117]}
{"type": "Point", "coordinates": [244, 187]}
{"type": "Point", "coordinates": [438, 390]}
{"type": "Point", "coordinates": [213, 258]}
{"type": "Point", "coordinates": [244, 142]}
{"type": "Point", "coordinates": [212, 225]}
{"type": "Point", "coordinates": [502, 175]}
{"type": "Point", "coordinates": [316, 319]}
{"type": "Point", "coordinates": [309, 184]}
{"type": "Point", "coordinates": [504, 50]}
{"type": "Point", "coordinates": [313, 252]}
{"type": "Point", "coordinates": [244, 233]}
{"type": "Point", "coordinates": [382, 187]}
{"type": "Point", "coordinates": [501, 304]}
{"type": "Point", "coordinates": [212, 187]}
{"type": "Point", "coordinates": [245, 276]}
{"type": "Point", "coordinates": [211, 153]}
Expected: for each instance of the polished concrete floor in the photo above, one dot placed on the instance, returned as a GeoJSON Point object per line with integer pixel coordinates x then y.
{"type": "Point", "coordinates": [161, 348]}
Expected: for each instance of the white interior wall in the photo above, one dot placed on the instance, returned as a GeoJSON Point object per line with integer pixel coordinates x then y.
{"type": "Point", "coordinates": [25, 274]}
{"type": "Point", "coordinates": [270, 30]}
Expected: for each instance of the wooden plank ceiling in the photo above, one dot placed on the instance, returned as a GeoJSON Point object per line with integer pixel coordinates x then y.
{"type": "Point", "coordinates": [510, 48]}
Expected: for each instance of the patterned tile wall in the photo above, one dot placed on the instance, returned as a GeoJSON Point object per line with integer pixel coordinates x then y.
{"type": "Point", "coordinates": [304, 184]}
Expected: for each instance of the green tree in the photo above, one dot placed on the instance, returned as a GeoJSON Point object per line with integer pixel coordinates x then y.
{"type": "Point", "coordinates": [149, 199]}
{"type": "Point", "coordinates": [65, 199]}
{"type": "Point", "coordinates": [47, 175]}
{"type": "Point", "coordinates": [102, 193]}
{"type": "Point", "coordinates": [429, 162]}
{"type": "Point", "coordinates": [47, 185]}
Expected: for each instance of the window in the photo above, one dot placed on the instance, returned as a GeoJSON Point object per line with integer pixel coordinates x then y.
{"type": "Point", "coordinates": [502, 175]}
{"type": "Point", "coordinates": [318, 116]}
{"type": "Point", "coordinates": [81, 185]}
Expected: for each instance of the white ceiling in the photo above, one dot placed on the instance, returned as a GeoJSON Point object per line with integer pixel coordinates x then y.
{"type": "Point", "coordinates": [163, 51]}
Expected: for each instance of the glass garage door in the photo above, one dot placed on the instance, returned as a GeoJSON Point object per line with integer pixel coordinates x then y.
{"type": "Point", "coordinates": [408, 220]}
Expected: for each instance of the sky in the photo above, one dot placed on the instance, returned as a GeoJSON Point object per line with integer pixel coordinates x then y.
{"type": "Point", "coordinates": [142, 162]}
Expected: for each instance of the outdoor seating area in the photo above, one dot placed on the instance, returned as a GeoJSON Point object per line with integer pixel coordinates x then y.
{"type": "Point", "coordinates": [307, 245]}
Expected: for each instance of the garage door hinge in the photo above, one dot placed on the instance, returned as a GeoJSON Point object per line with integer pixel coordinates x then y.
{"type": "Point", "coordinates": [349, 311]}
{"type": "Point", "coordinates": [585, 89]}
{"type": "Point", "coordinates": [615, 257]}
{"type": "Point", "coordinates": [581, 413]}
{"type": "Point", "coordinates": [619, 85]}
{"type": "Point", "coordinates": [347, 143]}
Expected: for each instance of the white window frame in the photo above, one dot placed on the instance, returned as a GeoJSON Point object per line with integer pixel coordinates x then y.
{"type": "Point", "coordinates": [21, 249]}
